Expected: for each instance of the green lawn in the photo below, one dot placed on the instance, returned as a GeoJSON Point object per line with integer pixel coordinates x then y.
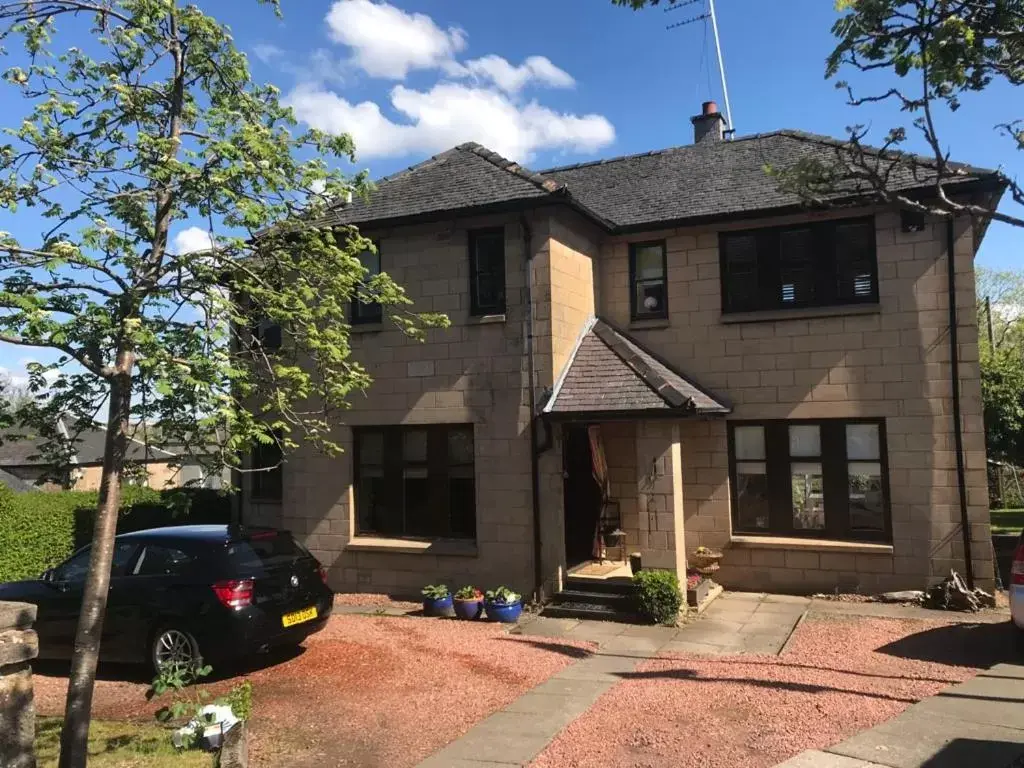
{"type": "Point", "coordinates": [1007, 520]}
{"type": "Point", "coordinates": [120, 745]}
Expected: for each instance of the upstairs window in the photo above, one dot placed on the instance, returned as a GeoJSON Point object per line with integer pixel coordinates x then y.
{"type": "Point", "coordinates": [367, 312]}
{"type": "Point", "coordinates": [266, 336]}
{"type": "Point", "coordinates": [647, 281]}
{"type": "Point", "coordinates": [487, 271]}
{"type": "Point", "coordinates": [809, 265]}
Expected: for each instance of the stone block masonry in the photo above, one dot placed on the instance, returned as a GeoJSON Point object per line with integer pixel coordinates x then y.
{"type": "Point", "coordinates": [18, 646]}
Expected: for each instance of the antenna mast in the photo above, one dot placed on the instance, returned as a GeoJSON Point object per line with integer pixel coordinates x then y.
{"type": "Point", "coordinates": [709, 14]}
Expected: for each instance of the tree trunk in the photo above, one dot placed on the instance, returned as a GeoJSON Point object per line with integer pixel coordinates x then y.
{"type": "Point", "coordinates": [75, 735]}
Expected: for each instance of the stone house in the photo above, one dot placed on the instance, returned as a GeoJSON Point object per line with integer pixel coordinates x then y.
{"type": "Point", "coordinates": [665, 346]}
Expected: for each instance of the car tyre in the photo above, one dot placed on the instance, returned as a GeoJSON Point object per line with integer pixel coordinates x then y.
{"type": "Point", "coordinates": [174, 645]}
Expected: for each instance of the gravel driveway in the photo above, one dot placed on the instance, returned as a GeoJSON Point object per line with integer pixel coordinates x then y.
{"type": "Point", "coordinates": [367, 691]}
{"type": "Point", "coordinates": [839, 675]}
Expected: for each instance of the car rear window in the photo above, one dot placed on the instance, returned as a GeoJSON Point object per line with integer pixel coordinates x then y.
{"type": "Point", "coordinates": [264, 551]}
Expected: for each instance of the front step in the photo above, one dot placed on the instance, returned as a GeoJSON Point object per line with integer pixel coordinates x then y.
{"type": "Point", "coordinates": [593, 599]}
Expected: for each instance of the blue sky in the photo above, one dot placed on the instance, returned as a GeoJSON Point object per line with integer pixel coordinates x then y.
{"type": "Point", "coordinates": [562, 81]}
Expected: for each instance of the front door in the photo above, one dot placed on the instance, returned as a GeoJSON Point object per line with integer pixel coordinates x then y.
{"type": "Point", "coordinates": [582, 496]}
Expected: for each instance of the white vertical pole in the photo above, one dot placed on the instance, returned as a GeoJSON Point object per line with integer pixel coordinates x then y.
{"type": "Point", "coordinates": [721, 65]}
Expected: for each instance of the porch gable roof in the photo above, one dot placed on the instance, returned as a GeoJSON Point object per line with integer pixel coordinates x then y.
{"type": "Point", "coordinates": [609, 372]}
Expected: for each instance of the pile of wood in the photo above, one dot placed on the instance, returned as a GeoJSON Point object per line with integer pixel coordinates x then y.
{"type": "Point", "coordinates": [952, 594]}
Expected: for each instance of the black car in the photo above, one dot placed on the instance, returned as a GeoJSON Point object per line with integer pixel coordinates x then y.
{"type": "Point", "coordinates": [183, 594]}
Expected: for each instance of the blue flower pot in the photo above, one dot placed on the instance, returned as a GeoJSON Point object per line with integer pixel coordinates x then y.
{"type": "Point", "coordinates": [469, 609]}
{"type": "Point", "coordinates": [506, 614]}
{"type": "Point", "coordinates": [438, 607]}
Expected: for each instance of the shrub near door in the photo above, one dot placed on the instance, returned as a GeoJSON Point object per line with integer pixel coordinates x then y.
{"type": "Point", "coordinates": [658, 597]}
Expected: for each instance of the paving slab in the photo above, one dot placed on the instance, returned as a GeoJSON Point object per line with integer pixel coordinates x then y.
{"type": "Point", "coordinates": [740, 597]}
{"type": "Point", "coordinates": [700, 649]}
{"type": "Point", "coordinates": [567, 687]}
{"type": "Point", "coordinates": [664, 634]}
{"type": "Point", "coordinates": [917, 739]}
{"type": "Point", "coordinates": [610, 668]}
{"type": "Point", "coordinates": [781, 609]}
{"type": "Point", "coordinates": [546, 626]}
{"type": "Point", "coordinates": [546, 703]}
{"type": "Point", "coordinates": [813, 758]}
{"type": "Point", "coordinates": [985, 700]}
{"type": "Point", "coordinates": [441, 761]}
{"type": "Point", "coordinates": [738, 612]}
{"type": "Point", "coordinates": [595, 631]}
{"type": "Point", "coordinates": [491, 744]}
{"type": "Point", "coordinates": [1014, 671]}
{"type": "Point", "coordinates": [628, 645]}
{"type": "Point", "coordinates": [787, 600]}
{"type": "Point", "coordinates": [530, 724]}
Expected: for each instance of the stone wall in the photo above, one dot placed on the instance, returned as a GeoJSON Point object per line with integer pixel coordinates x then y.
{"type": "Point", "coordinates": [18, 646]}
{"type": "Point", "coordinates": [890, 362]}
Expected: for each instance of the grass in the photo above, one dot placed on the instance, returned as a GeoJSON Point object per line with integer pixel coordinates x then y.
{"type": "Point", "coordinates": [120, 745]}
{"type": "Point", "coordinates": [1007, 520]}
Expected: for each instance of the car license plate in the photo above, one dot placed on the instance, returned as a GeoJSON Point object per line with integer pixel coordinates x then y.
{"type": "Point", "coordinates": [306, 614]}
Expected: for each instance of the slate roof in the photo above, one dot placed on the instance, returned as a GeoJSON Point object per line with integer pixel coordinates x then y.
{"type": "Point", "coordinates": [21, 447]}
{"type": "Point", "coordinates": [693, 182]}
{"type": "Point", "coordinates": [15, 483]}
{"type": "Point", "coordinates": [466, 176]}
{"type": "Point", "coordinates": [608, 372]}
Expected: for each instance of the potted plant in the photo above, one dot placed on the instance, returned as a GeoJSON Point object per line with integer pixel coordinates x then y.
{"type": "Point", "coordinates": [469, 603]}
{"type": "Point", "coordinates": [706, 560]}
{"type": "Point", "coordinates": [696, 588]}
{"type": "Point", "coordinates": [504, 605]}
{"type": "Point", "coordinates": [437, 600]}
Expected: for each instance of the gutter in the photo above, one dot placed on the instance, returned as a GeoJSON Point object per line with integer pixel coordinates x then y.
{"type": "Point", "coordinates": [538, 571]}
{"type": "Point", "coordinates": [958, 434]}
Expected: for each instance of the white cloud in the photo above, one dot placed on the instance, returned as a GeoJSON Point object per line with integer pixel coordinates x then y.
{"type": "Point", "coordinates": [388, 42]}
{"type": "Point", "coordinates": [267, 52]}
{"type": "Point", "coordinates": [191, 240]}
{"type": "Point", "coordinates": [512, 79]}
{"type": "Point", "coordinates": [446, 115]}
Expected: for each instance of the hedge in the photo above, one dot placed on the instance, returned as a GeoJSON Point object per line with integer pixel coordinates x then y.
{"type": "Point", "coordinates": [38, 529]}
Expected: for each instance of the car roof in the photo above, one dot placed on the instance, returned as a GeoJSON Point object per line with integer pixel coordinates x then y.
{"type": "Point", "coordinates": [208, 533]}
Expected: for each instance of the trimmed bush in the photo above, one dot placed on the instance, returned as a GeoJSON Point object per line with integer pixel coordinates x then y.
{"type": "Point", "coordinates": [38, 530]}
{"type": "Point", "coordinates": [657, 595]}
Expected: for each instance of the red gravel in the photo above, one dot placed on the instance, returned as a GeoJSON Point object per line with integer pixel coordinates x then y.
{"type": "Point", "coordinates": [370, 601]}
{"type": "Point", "coordinates": [367, 691]}
{"type": "Point", "coordinates": [756, 711]}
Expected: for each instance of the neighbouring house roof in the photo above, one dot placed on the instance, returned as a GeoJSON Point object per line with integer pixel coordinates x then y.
{"type": "Point", "coordinates": [15, 483]}
{"type": "Point", "coordinates": [608, 372]}
{"type": "Point", "coordinates": [670, 186]}
{"type": "Point", "coordinates": [21, 447]}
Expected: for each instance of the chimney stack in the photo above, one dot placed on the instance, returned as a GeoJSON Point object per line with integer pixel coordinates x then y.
{"type": "Point", "coordinates": [709, 125]}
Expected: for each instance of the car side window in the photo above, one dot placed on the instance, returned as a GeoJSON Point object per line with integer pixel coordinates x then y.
{"type": "Point", "coordinates": [157, 560]}
{"type": "Point", "coordinates": [77, 568]}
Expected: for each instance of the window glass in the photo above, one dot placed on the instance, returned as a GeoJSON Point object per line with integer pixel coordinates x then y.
{"type": "Point", "coordinates": [263, 550]}
{"type": "Point", "coordinates": [862, 441]}
{"type": "Point", "coordinates": [805, 440]}
{"type": "Point", "coordinates": [267, 335]}
{"type": "Point", "coordinates": [752, 503]}
{"type": "Point", "coordinates": [76, 569]}
{"type": "Point", "coordinates": [741, 277]}
{"type": "Point", "coordinates": [367, 312]}
{"type": "Point", "coordinates": [796, 265]}
{"type": "Point", "coordinates": [487, 271]}
{"type": "Point", "coordinates": [867, 496]}
{"type": "Point", "coordinates": [808, 497]}
{"type": "Point", "coordinates": [749, 442]}
{"type": "Point", "coordinates": [162, 561]}
{"type": "Point", "coordinates": [650, 297]}
{"type": "Point", "coordinates": [267, 472]}
{"type": "Point", "coordinates": [416, 481]}
{"type": "Point", "coordinates": [855, 260]}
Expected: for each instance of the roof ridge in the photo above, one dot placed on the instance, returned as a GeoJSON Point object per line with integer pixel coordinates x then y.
{"type": "Point", "coordinates": [534, 177]}
{"type": "Point", "coordinates": [658, 384]}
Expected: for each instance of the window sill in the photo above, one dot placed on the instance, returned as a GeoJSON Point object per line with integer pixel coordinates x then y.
{"type": "Point", "coordinates": [812, 545]}
{"type": "Point", "coordinates": [455, 547]}
{"type": "Point", "coordinates": [485, 319]}
{"type": "Point", "coordinates": [366, 327]}
{"type": "Point", "coordinates": [649, 324]}
{"type": "Point", "coordinates": [804, 313]}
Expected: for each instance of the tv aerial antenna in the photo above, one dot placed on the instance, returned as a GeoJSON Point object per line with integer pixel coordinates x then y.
{"type": "Point", "coordinates": [708, 13]}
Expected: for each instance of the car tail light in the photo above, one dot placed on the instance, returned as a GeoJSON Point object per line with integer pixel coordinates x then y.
{"type": "Point", "coordinates": [234, 593]}
{"type": "Point", "coordinates": [323, 573]}
{"type": "Point", "coordinates": [1017, 569]}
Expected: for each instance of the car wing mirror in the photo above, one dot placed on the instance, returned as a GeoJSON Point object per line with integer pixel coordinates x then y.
{"type": "Point", "coordinates": [47, 576]}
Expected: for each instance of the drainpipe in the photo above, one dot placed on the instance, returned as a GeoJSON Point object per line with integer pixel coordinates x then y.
{"type": "Point", "coordinates": [538, 571]}
{"type": "Point", "coordinates": [958, 434]}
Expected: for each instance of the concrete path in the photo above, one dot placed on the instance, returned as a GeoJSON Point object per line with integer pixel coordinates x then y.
{"type": "Point", "coordinates": [735, 623]}
{"type": "Point", "coordinates": [979, 723]}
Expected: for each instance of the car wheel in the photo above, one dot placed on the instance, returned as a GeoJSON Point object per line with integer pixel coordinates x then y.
{"type": "Point", "coordinates": [174, 646]}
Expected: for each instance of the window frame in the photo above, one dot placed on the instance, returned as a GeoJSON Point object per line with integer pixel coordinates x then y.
{"type": "Point", "coordinates": [635, 313]}
{"type": "Point", "coordinates": [475, 308]}
{"type": "Point", "coordinates": [363, 313]}
{"type": "Point", "coordinates": [835, 480]}
{"type": "Point", "coordinates": [825, 275]}
{"type": "Point", "coordinates": [439, 467]}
